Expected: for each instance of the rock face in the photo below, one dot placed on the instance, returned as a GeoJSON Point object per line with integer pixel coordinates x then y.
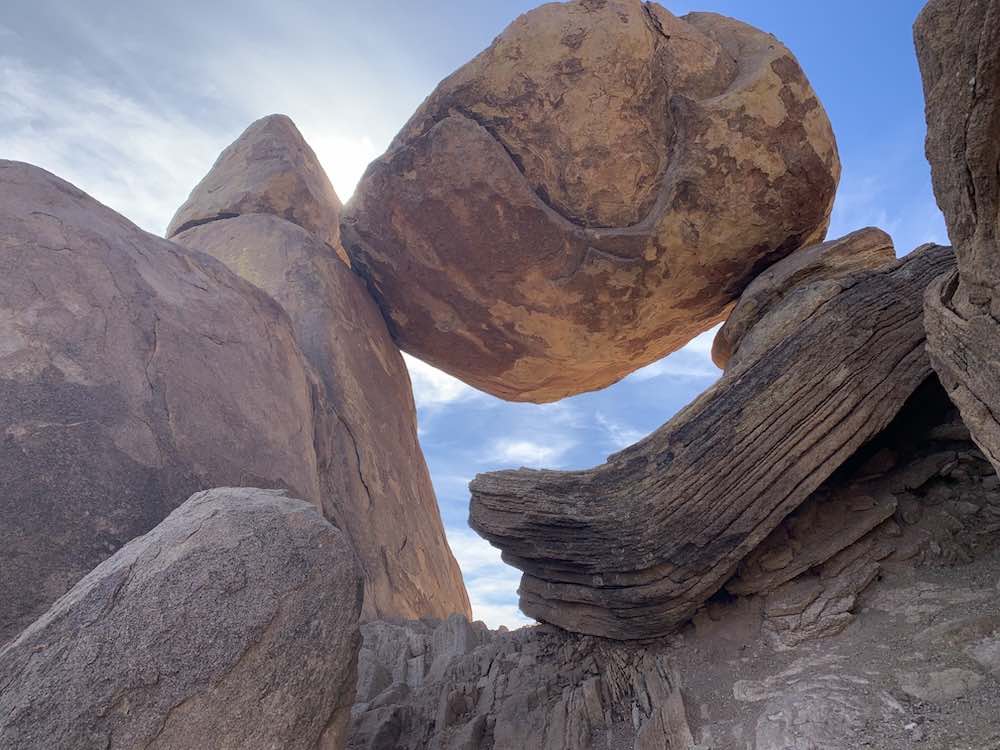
{"type": "Point", "coordinates": [777, 301]}
{"type": "Point", "coordinates": [133, 372]}
{"type": "Point", "coordinates": [269, 169]}
{"type": "Point", "coordinates": [631, 548]}
{"type": "Point", "coordinates": [373, 479]}
{"type": "Point", "coordinates": [589, 193]}
{"type": "Point", "coordinates": [958, 47]}
{"type": "Point", "coordinates": [459, 686]}
{"type": "Point", "coordinates": [231, 625]}
{"type": "Point", "coordinates": [717, 684]}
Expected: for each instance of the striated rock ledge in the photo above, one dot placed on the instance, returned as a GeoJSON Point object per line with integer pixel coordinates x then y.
{"type": "Point", "coordinates": [631, 548]}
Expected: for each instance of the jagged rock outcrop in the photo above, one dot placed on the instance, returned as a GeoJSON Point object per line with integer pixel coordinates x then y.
{"type": "Point", "coordinates": [373, 479]}
{"type": "Point", "coordinates": [776, 302]}
{"type": "Point", "coordinates": [269, 169]}
{"type": "Point", "coordinates": [133, 372]}
{"type": "Point", "coordinates": [231, 625]}
{"type": "Point", "coordinates": [459, 686]}
{"type": "Point", "coordinates": [958, 47]}
{"type": "Point", "coordinates": [631, 548]}
{"type": "Point", "coordinates": [922, 633]}
{"type": "Point", "coordinates": [589, 193]}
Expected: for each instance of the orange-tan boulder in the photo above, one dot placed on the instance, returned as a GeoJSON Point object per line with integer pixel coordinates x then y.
{"type": "Point", "coordinates": [589, 193]}
{"type": "Point", "coordinates": [269, 169]}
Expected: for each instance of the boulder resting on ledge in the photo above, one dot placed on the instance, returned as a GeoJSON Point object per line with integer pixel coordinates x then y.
{"type": "Point", "coordinates": [631, 548]}
{"type": "Point", "coordinates": [590, 193]}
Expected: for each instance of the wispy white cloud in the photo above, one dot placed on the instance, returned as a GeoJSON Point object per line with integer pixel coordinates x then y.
{"type": "Point", "coordinates": [492, 584]}
{"type": "Point", "coordinates": [139, 161]}
{"type": "Point", "coordinates": [433, 388]}
{"type": "Point", "coordinates": [620, 435]}
{"type": "Point", "coordinates": [518, 451]}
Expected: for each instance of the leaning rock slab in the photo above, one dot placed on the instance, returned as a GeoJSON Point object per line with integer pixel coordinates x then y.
{"type": "Point", "coordinates": [777, 301]}
{"type": "Point", "coordinates": [269, 169]}
{"type": "Point", "coordinates": [231, 625]}
{"type": "Point", "coordinates": [589, 193]}
{"type": "Point", "coordinates": [375, 483]}
{"type": "Point", "coordinates": [958, 47]}
{"type": "Point", "coordinates": [133, 372]}
{"type": "Point", "coordinates": [631, 548]}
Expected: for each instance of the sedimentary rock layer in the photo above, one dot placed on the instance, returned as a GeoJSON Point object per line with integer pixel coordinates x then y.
{"type": "Point", "coordinates": [231, 625]}
{"type": "Point", "coordinates": [589, 193]}
{"type": "Point", "coordinates": [133, 372]}
{"type": "Point", "coordinates": [631, 548]}
{"type": "Point", "coordinates": [777, 301]}
{"type": "Point", "coordinates": [373, 479]}
{"type": "Point", "coordinates": [958, 47]}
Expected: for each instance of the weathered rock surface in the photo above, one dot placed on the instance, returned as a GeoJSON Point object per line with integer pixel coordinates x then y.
{"type": "Point", "coordinates": [373, 479]}
{"type": "Point", "coordinates": [779, 299]}
{"type": "Point", "coordinates": [717, 684]}
{"type": "Point", "coordinates": [958, 47]}
{"type": "Point", "coordinates": [455, 685]}
{"type": "Point", "coordinates": [269, 169]}
{"type": "Point", "coordinates": [589, 193]}
{"type": "Point", "coordinates": [231, 625]}
{"type": "Point", "coordinates": [631, 548]}
{"type": "Point", "coordinates": [133, 372]}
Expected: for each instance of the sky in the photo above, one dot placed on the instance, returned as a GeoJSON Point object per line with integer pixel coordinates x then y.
{"type": "Point", "coordinates": [133, 101]}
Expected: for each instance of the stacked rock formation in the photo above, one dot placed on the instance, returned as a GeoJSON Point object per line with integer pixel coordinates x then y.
{"type": "Point", "coordinates": [601, 184]}
{"type": "Point", "coordinates": [373, 481]}
{"type": "Point", "coordinates": [631, 548]}
{"type": "Point", "coordinates": [589, 193]}
{"type": "Point", "coordinates": [231, 625]}
{"type": "Point", "coordinates": [958, 47]}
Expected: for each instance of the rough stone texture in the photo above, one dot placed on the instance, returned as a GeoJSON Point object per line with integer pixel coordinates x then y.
{"type": "Point", "coordinates": [631, 548]}
{"type": "Point", "coordinates": [958, 47]}
{"type": "Point", "coordinates": [589, 193]}
{"type": "Point", "coordinates": [269, 169]}
{"type": "Point", "coordinates": [459, 686]}
{"type": "Point", "coordinates": [231, 625]}
{"type": "Point", "coordinates": [133, 372]}
{"type": "Point", "coordinates": [373, 478]}
{"type": "Point", "coordinates": [885, 641]}
{"type": "Point", "coordinates": [715, 685]}
{"type": "Point", "coordinates": [780, 298]}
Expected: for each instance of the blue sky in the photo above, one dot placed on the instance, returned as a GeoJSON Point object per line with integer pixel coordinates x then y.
{"type": "Point", "coordinates": [133, 101]}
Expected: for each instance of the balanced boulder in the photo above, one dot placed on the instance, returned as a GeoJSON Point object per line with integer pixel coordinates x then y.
{"type": "Point", "coordinates": [233, 624]}
{"type": "Point", "coordinates": [589, 193]}
{"type": "Point", "coordinates": [958, 47]}
{"type": "Point", "coordinates": [269, 169]}
{"type": "Point", "coordinates": [631, 548]}
{"type": "Point", "coordinates": [373, 478]}
{"type": "Point", "coordinates": [133, 372]}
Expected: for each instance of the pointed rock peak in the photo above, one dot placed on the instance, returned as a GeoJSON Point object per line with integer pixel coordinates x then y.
{"type": "Point", "coordinates": [269, 169]}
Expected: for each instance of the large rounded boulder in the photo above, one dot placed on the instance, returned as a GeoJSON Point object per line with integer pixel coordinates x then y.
{"type": "Point", "coordinates": [589, 193]}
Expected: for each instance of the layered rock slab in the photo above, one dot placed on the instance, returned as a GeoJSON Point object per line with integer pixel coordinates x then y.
{"type": "Point", "coordinates": [958, 48]}
{"type": "Point", "coordinates": [776, 302]}
{"type": "Point", "coordinates": [269, 169]}
{"type": "Point", "coordinates": [133, 372]}
{"type": "Point", "coordinates": [373, 478]}
{"type": "Point", "coordinates": [232, 624]}
{"type": "Point", "coordinates": [589, 193]}
{"type": "Point", "coordinates": [631, 548]}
